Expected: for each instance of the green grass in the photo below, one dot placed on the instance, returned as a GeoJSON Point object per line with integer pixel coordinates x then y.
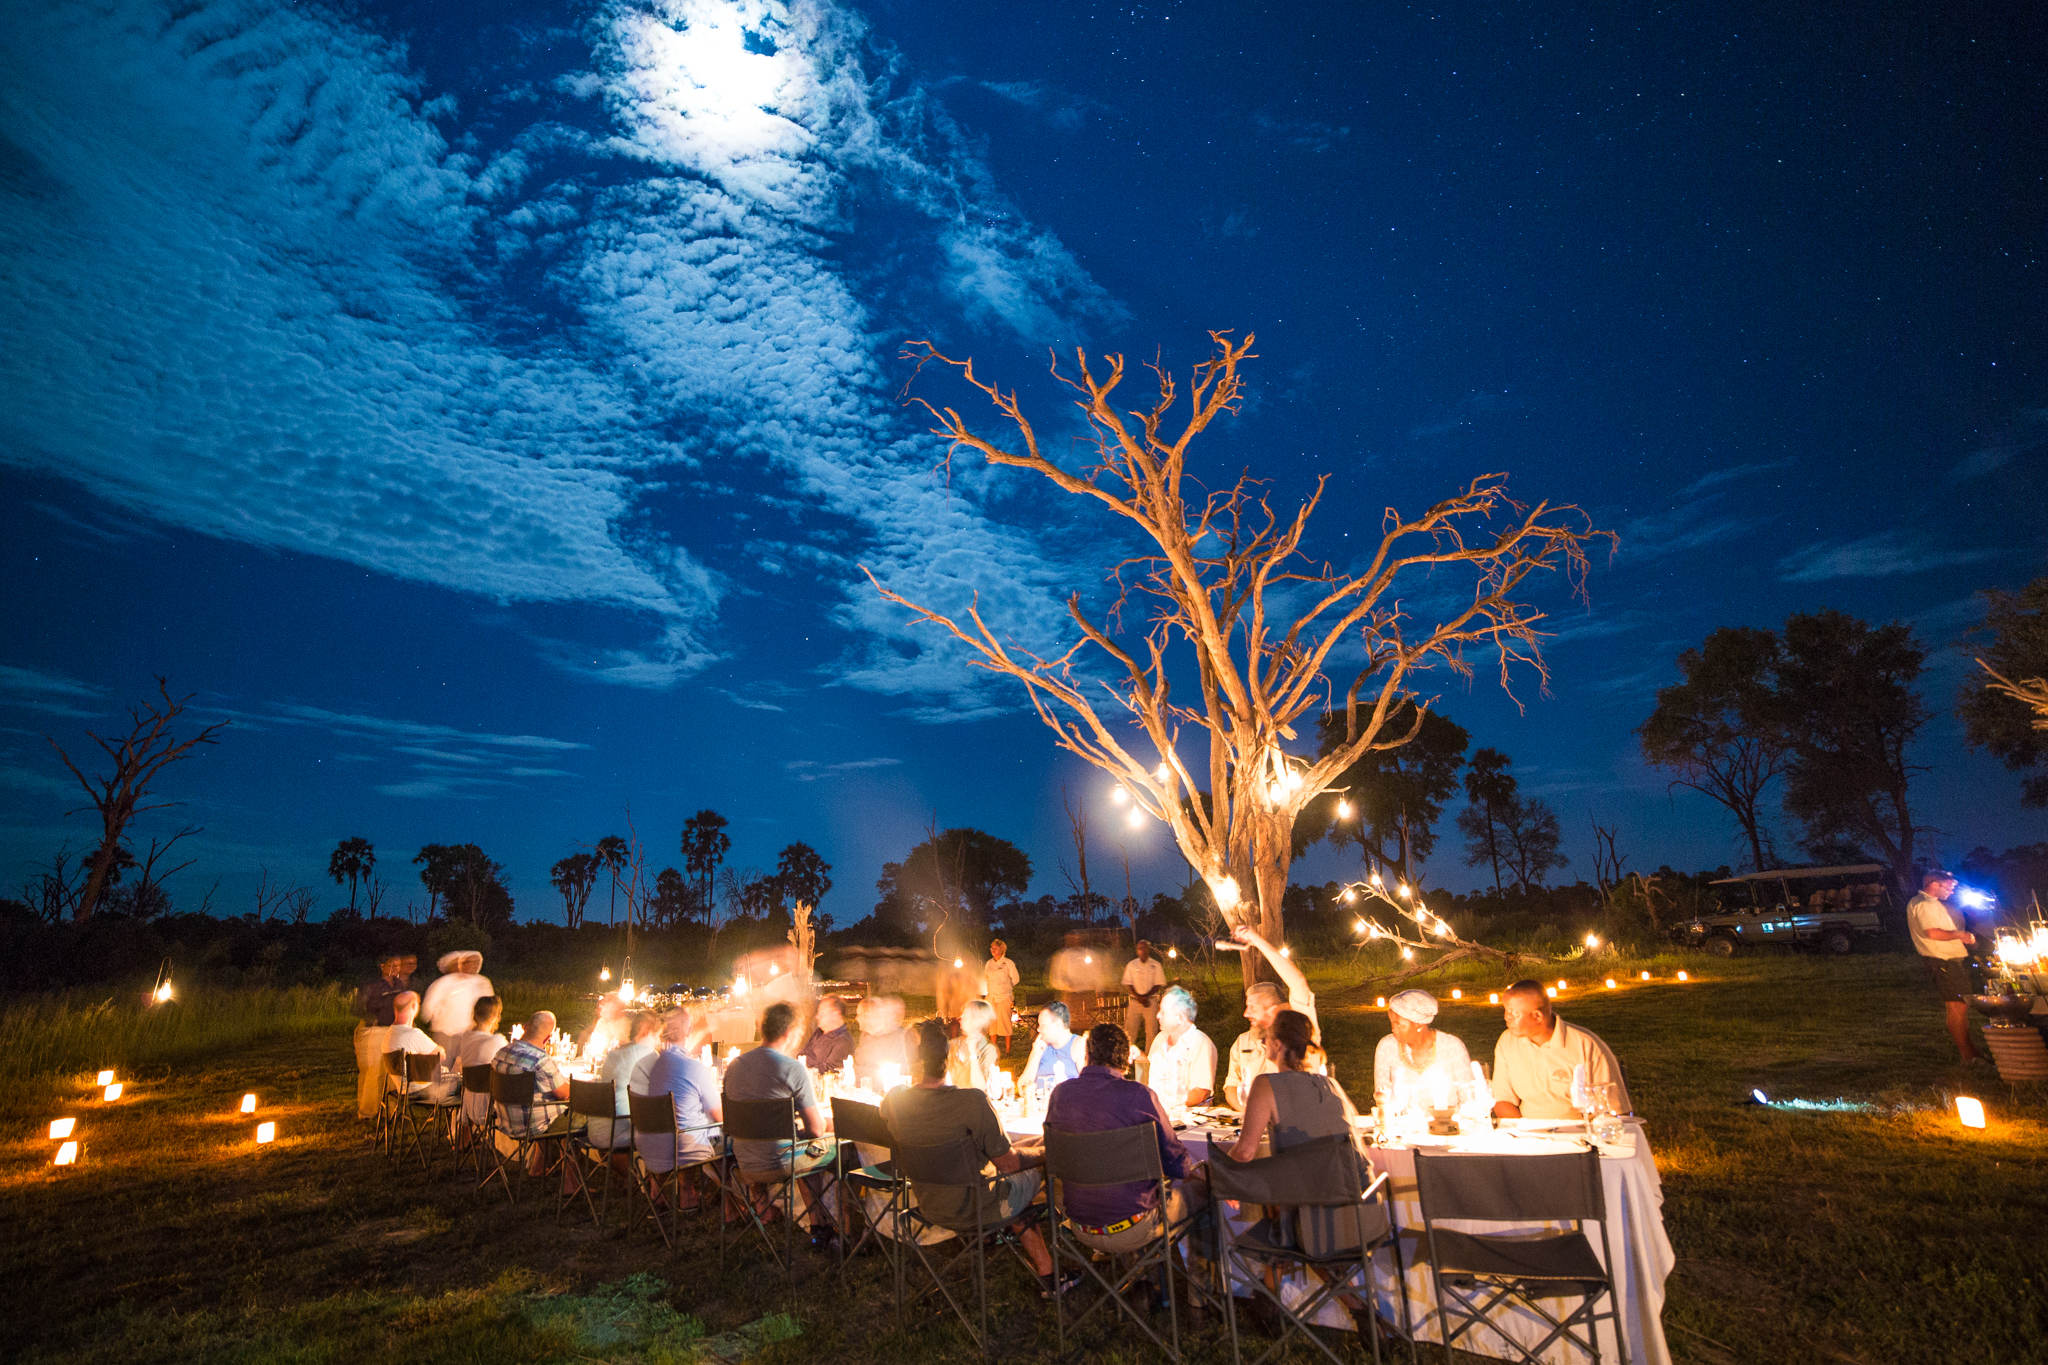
{"type": "Point", "coordinates": [1879, 1236]}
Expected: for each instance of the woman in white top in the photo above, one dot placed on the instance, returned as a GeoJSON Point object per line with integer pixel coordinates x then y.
{"type": "Point", "coordinates": [475, 1046]}
{"type": "Point", "coordinates": [1415, 1064]}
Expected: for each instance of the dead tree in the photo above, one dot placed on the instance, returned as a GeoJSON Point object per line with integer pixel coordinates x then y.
{"type": "Point", "coordinates": [1607, 860]}
{"type": "Point", "coordinates": [139, 759]}
{"type": "Point", "coordinates": [1230, 600]}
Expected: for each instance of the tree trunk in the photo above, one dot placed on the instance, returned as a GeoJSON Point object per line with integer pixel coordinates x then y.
{"type": "Point", "coordinates": [96, 883]}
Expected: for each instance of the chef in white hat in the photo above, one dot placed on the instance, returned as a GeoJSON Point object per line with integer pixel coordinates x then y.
{"type": "Point", "coordinates": [449, 1007]}
{"type": "Point", "coordinates": [1414, 1056]}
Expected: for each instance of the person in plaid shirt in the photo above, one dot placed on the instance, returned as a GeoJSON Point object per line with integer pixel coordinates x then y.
{"type": "Point", "coordinates": [550, 1081]}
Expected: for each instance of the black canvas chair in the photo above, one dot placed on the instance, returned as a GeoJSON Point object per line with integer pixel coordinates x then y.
{"type": "Point", "coordinates": [1478, 1273]}
{"type": "Point", "coordinates": [426, 1113]}
{"type": "Point", "coordinates": [1118, 1156]}
{"type": "Point", "coordinates": [1337, 1224]}
{"type": "Point", "coordinates": [591, 1103]}
{"type": "Point", "coordinates": [517, 1089]}
{"type": "Point", "coordinates": [950, 1193]}
{"type": "Point", "coordinates": [771, 1121]}
{"type": "Point", "coordinates": [857, 1124]}
{"type": "Point", "coordinates": [654, 1118]}
{"type": "Point", "coordinates": [408, 1122]}
{"type": "Point", "coordinates": [476, 1080]}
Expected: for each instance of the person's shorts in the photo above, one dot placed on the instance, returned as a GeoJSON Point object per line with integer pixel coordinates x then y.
{"type": "Point", "coordinates": [1950, 975]}
{"type": "Point", "coordinates": [803, 1158]}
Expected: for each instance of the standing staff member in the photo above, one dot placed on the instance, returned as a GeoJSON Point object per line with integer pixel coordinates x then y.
{"type": "Point", "coordinates": [999, 984]}
{"type": "Point", "coordinates": [449, 1006]}
{"type": "Point", "coordinates": [373, 1025]}
{"type": "Point", "coordinates": [1145, 979]}
{"type": "Point", "coordinates": [1943, 944]}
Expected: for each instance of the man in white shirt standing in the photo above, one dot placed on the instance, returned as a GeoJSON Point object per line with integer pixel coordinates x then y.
{"type": "Point", "coordinates": [450, 1004]}
{"type": "Point", "coordinates": [1943, 944]}
{"type": "Point", "coordinates": [1183, 1059]}
{"type": "Point", "coordinates": [999, 984]}
{"type": "Point", "coordinates": [1145, 980]}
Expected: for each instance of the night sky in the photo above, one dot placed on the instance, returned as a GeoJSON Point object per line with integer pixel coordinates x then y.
{"type": "Point", "coordinates": [489, 408]}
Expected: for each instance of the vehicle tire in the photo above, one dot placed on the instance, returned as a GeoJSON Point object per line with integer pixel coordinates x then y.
{"type": "Point", "coordinates": [1837, 942]}
{"type": "Point", "coordinates": [1720, 945]}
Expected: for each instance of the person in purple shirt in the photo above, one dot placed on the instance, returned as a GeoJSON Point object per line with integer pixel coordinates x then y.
{"type": "Point", "coordinates": [831, 1043]}
{"type": "Point", "coordinates": [1118, 1218]}
{"type": "Point", "coordinates": [677, 1072]}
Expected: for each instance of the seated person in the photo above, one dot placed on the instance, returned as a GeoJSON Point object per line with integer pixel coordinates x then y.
{"type": "Point", "coordinates": [772, 1072]}
{"type": "Point", "coordinates": [974, 1061]}
{"type": "Point", "coordinates": [404, 1037]}
{"type": "Point", "coordinates": [550, 1085]}
{"type": "Point", "coordinates": [830, 1043]}
{"type": "Point", "coordinates": [1414, 1062]}
{"type": "Point", "coordinates": [679, 1073]}
{"type": "Point", "coordinates": [1263, 1001]}
{"type": "Point", "coordinates": [607, 1031]}
{"type": "Point", "coordinates": [1289, 1105]}
{"type": "Point", "coordinates": [932, 1113]}
{"type": "Point", "coordinates": [1535, 1059]}
{"type": "Point", "coordinates": [474, 1046]}
{"type": "Point", "coordinates": [1117, 1218]}
{"type": "Point", "coordinates": [1183, 1060]}
{"type": "Point", "coordinates": [1056, 1054]}
{"type": "Point", "coordinates": [883, 1041]}
{"type": "Point", "coordinates": [626, 1068]}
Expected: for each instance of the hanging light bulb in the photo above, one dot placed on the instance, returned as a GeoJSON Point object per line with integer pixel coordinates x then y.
{"type": "Point", "coordinates": [1136, 819]}
{"type": "Point", "coordinates": [1408, 954]}
{"type": "Point", "coordinates": [1120, 793]}
{"type": "Point", "coordinates": [163, 993]}
{"type": "Point", "coordinates": [1162, 772]}
{"type": "Point", "coordinates": [1349, 895]}
{"type": "Point", "coordinates": [1226, 892]}
{"type": "Point", "coordinates": [604, 973]}
{"type": "Point", "coordinates": [1404, 890]}
{"type": "Point", "coordinates": [1173, 952]}
{"type": "Point", "coordinates": [1343, 809]}
{"type": "Point", "coordinates": [1361, 927]}
{"type": "Point", "coordinates": [1375, 877]}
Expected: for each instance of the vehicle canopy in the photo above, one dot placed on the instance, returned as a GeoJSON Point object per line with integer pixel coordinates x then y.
{"type": "Point", "coordinates": [1855, 886]}
{"type": "Point", "coordinates": [1801, 873]}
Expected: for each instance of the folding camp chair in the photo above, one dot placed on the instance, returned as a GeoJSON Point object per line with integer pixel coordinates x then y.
{"type": "Point", "coordinates": [654, 1117]}
{"type": "Point", "coordinates": [1482, 1271]}
{"type": "Point", "coordinates": [477, 1114]}
{"type": "Point", "coordinates": [517, 1090]}
{"type": "Point", "coordinates": [594, 1103]}
{"type": "Point", "coordinates": [407, 1126]}
{"type": "Point", "coordinates": [772, 1121]}
{"type": "Point", "coordinates": [428, 1113]}
{"type": "Point", "coordinates": [857, 1124]}
{"type": "Point", "coordinates": [1118, 1156]}
{"type": "Point", "coordinates": [951, 1193]}
{"type": "Point", "coordinates": [1347, 1222]}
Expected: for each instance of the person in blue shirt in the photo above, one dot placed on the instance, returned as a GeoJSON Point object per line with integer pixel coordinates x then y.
{"type": "Point", "coordinates": [1057, 1054]}
{"type": "Point", "coordinates": [678, 1072]}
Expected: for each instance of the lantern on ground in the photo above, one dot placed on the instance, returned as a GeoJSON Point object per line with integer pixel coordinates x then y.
{"type": "Point", "coordinates": [112, 1092]}
{"type": "Point", "coordinates": [67, 1155]}
{"type": "Point", "coordinates": [105, 1078]}
{"type": "Point", "coordinates": [1969, 1111]}
{"type": "Point", "coordinates": [266, 1132]}
{"type": "Point", "coordinates": [248, 1104]}
{"type": "Point", "coordinates": [62, 1128]}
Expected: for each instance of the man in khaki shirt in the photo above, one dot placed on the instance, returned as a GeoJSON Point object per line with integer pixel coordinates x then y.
{"type": "Point", "coordinates": [1534, 1060]}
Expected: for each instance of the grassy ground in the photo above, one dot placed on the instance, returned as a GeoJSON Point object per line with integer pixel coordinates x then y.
{"type": "Point", "coordinates": [1879, 1236]}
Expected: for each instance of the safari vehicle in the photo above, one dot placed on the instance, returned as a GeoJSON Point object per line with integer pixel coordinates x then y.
{"type": "Point", "coordinates": [1828, 908]}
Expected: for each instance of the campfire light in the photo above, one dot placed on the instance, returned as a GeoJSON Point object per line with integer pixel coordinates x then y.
{"type": "Point", "coordinates": [113, 1092]}
{"type": "Point", "coordinates": [106, 1078]}
{"type": "Point", "coordinates": [1969, 1111]}
{"type": "Point", "coordinates": [62, 1128]}
{"type": "Point", "coordinates": [248, 1104]}
{"type": "Point", "coordinates": [67, 1155]}
{"type": "Point", "coordinates": [266, 1132]}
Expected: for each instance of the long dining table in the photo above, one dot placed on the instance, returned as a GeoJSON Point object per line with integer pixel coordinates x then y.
{"type": "Point", "coordinates": [1634, 1198]}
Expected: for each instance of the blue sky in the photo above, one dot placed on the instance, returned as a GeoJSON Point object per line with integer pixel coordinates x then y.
{"type": "Point", "coordinates": [490, 409]}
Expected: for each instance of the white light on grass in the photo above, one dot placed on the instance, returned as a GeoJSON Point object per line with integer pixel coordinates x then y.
{"type": "Point", "coordinates": [67, 1154]}
{"type": "Point", "coordinates": [113, 1092]}
{"type": "Point", "coordinates": [1457, 994]}
{"type": "Point", "coordinates": [106, 1078]}
{"type": "Point", "coordinates": [1683, 977]}
{"type": "Point", "coordinates": [1493, 997]}
{"type": "Point", "coordinates": [248, 1104]}
{"type": "Point", "coordinates": [1646, 976]}
{"type": "Point", "coordinates": [1610, 983]}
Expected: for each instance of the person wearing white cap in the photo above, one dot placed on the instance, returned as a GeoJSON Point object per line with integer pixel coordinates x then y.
{"type": "Point", "coordinates": [449, 1007]}
{"type": "Point", "coordinates": [1415, 1060]}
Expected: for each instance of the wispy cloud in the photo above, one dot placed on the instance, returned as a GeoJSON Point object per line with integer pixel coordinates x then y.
{"type": "Point", "coordinates": [1886, 554]}
{"type": "Point", "coordinates": [271, 287]}
{"type": "Point", "coordinates": [31, 689]}
{"type": "Point", "coordinates": [1063, 109]}
{"type": "Point", "coordinates": [1694, 524]}
{"type": "Point", "coordinates": [1307, 135]}
{"type": "Point", "coordinates": [808, 770]}
{"type": "Point", "coordinates": [2027, 433]}
{"type": "Point", "coordinates": [1715, 478]}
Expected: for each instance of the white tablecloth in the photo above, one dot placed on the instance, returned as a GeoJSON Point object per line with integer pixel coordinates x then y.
{"type": "Point", "coordinates": [1635, 1204]}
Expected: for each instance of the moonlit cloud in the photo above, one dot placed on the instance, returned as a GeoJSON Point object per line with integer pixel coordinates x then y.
{"type": "Point", "coordinates": [265, 284]}
{"type": "Point", "coordinates": [1884, 555]}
